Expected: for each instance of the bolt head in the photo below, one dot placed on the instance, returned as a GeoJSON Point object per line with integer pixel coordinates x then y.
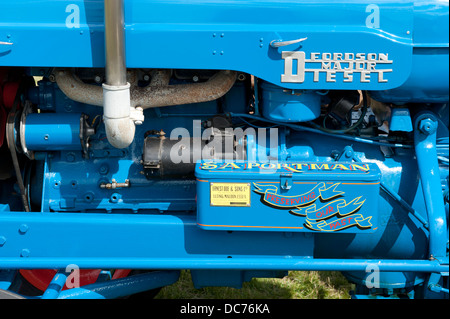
{"type": "Point", "coordinates": [23, 228]}
{"type": "Point", "coordinates": [25, 253]}
{"type": "Point", "coordinates": [428, 126]}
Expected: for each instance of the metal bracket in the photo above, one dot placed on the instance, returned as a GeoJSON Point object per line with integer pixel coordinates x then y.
{"type": "Point", "coordinates": [286, 181]}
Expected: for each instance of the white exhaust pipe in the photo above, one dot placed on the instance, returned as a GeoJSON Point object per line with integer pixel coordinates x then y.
{"type": "Point", "coordinates": [118, 115]}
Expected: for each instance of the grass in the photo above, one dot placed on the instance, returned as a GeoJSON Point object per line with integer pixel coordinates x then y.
{"type": "Point", "coordinates": [297, 285]}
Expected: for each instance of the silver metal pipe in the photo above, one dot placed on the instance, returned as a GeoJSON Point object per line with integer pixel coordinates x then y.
{"type": "Point", "coordinates": [116, 74]}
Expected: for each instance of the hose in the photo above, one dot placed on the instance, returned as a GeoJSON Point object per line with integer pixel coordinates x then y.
{"type": "Point", "coordinates": [313, 130]}
{"type": "Point", "coordinates": [351, 128]}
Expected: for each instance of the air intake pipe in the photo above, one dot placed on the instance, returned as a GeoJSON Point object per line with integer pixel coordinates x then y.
{"type": "Point", "coordinates": [118, 115]}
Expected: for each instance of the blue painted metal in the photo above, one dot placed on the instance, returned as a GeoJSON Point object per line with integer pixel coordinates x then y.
{"type": "Point", "coordinates": [316, 131]}
{"type": "Point", "coordinates": [394, 195]}
{"type": "Point", "coordinates": [180, 242]}
{"type": "Point", "coordinates": [288, 196]}
{"type": "Point", "coordinates": [435, 284]}
{"type": "Point", "coordinates": [426, 126]}
{"type": "Point", "coordinates": [56, 285]}
{"type": "Point", "coordinates": [6, 278]}
{"type": "Point", "coordinates": [53, 132]}
{"type": "Point", "coordinates": [430, 42]}
{"type": "Point", "coordinates": [288, 106]}
{"type": "Point", "coordinates": [214, 40]}
{"type": "Point", "coordinates": [153, 224]}
{"type": "Point", "coordinates": [122, 287]}
{"type": "Point", "coordinates": [401, 120]}
{"type": "Point", "coordinates": [213, 35]}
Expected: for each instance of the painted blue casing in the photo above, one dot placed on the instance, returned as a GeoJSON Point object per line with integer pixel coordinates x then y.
{"type": "Point", "coordinates": [237, 35]}
{"type": "Point", "coordinates": [279, 105]}
{"type": "Point", "coordinates": [54, 132]}
{"type": "Point", "coordinates": [297, 196]}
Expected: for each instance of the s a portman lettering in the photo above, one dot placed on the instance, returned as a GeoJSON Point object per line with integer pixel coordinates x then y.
{"type": "Point", "coordinates": [290, 167]}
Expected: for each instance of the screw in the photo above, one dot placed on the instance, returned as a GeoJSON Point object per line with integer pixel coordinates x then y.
{"type": "Point", "coordinates": [2, 240]}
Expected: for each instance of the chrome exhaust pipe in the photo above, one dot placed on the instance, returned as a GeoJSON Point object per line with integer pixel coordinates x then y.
{"type": "Point", "coordinates": [118, 115]}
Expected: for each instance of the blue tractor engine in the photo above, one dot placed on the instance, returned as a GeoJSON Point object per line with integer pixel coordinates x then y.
{"type": "Point", "coordinates": [232, 139]}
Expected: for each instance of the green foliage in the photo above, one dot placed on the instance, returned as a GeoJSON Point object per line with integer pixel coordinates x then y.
{"type": "Point", "coordinates": [297, 285]}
